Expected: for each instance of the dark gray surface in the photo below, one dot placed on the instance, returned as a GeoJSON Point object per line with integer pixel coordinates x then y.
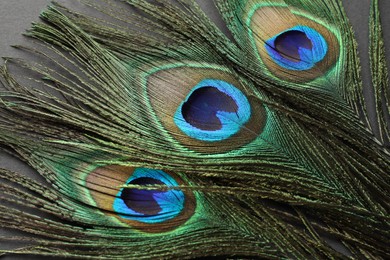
{"type": "Point", "coordinates": [15, 18]}
{"type": "Point", "coordinates": [17, 15]}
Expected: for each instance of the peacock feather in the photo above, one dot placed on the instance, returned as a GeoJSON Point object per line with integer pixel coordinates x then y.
{"type": "Point", "coordinates": [160, 133]}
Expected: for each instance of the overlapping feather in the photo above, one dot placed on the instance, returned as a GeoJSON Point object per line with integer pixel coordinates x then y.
{"type": "Point", "coordinates": [311, 176]}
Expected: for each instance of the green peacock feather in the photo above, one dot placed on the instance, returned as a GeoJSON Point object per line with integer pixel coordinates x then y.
{"type": "Point", "coordinates": [160, 134]}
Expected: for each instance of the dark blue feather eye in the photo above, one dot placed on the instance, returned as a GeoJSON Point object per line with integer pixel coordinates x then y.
{"type": "Point", "coordinates": [205, 107]}
{"type": "Point", "coordinates": [143, 202]}
{"type": "Point", "coordinates": [149, 206]}
{"type": "Point", "coordinates": [291, 45]}
{"type": "Point", "coordinates": [298, 48]}
{"type": "Point", "coordinates": [214, 110]}
{"type": "Point", "coordinates": [161, 208]}
{"type": "Point", "coordinates": [201, 108]}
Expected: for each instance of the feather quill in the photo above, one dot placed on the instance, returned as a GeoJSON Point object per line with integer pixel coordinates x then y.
{"type": "Point", "coordinates": [160, 136]}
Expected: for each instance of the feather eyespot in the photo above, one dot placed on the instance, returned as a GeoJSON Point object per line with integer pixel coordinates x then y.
{"type": "Point", "coordinates": [205, 108]}
{"type": "Point", "coordinates": [214, 110]}
{"type": "Point", "coordinates": [299, 48]}
{"type": "Point", "coordinates": [291, 44]}
{"type": "Point", "coordinates": [145, 199]}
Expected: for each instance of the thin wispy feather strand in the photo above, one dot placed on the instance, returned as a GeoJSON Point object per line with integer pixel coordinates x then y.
{"type": "Point", "coordinates": [160, 133]}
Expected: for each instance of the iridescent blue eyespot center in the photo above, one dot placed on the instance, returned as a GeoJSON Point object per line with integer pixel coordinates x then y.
{"type": "Point", "coordinates": [214, 110]}
{"type": "Point", "coordinates": [149, 206]}
{"type": "Point", "coordinates": [298, 48]}
{"type": "Point", "coordinates": [142, 201]}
